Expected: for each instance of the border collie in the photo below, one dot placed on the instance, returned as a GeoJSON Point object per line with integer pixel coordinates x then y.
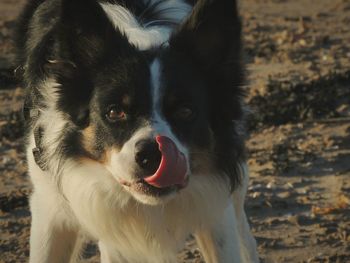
{"type": "Point", "coordinates": [134, 120]}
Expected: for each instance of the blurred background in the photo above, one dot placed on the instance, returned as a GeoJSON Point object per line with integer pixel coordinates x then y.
{"type": "Point", "coordinates": [298, 59]}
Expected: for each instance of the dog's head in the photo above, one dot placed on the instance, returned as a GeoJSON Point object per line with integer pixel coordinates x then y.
{"type": "Point", "coordinates": [154, 111]}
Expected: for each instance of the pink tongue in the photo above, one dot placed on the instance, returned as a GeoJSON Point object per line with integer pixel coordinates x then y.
{"type": "Point", "coordinates": [172, 169]}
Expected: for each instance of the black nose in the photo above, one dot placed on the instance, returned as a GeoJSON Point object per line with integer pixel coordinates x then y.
{"type": "Point", "coordinates": [147, 156]}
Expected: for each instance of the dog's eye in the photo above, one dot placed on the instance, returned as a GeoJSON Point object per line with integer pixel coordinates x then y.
{"type": "Point", "coordinates": [184, 113]}
{"type": "Point", "coordinates": [114, 114]}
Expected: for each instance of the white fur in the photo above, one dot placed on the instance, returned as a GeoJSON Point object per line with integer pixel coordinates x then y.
{"type": "Point", "coordinates": [53, 120]}
{"type": "Point", "coordinates": [93, 202]}
{"type": "Point", "coordinates": [219, 242]}
{"type": "Point", "coordinates": [147, 36]}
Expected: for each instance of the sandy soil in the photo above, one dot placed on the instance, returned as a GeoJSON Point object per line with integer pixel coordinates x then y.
{"type": "Point", "coordinates": [298, 57]}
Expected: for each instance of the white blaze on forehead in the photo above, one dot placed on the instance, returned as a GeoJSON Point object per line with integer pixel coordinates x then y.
{"type": "Point", "coordinates": [156, 92]}
{"type": "Point", "coordinates": [155, 86]}
{"type": "Point", "coordinates": [151, 34]}
{"type": "Point", "coordinates": [159, 125]}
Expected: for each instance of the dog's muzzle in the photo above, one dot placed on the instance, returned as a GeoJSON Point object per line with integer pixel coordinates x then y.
{"type": "Point", "coordinates": [162, 162]}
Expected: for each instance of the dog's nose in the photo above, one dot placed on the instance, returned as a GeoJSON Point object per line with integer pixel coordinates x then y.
{"type": "Point", "coordinates": [148, 156]}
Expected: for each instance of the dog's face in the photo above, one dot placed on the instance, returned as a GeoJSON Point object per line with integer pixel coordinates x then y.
{"type": "Point", "coordinates": [148, 121]}
{"type": "Point", "coordinates": [153, 117]}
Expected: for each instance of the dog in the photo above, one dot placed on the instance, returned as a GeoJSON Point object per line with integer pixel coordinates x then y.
{"type": "Point", "coordinates": [135, 129]}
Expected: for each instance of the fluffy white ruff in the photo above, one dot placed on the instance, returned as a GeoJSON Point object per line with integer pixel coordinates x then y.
{"type": "Point", "coordinates": [89, 198]}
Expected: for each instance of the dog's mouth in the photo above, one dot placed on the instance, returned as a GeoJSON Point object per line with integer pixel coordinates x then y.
{"type": "Point", "coordinates": [172, 169]}
{"type": "Point", "coordinates": [142, 187]}
{"type": "Point", "coordinates": [170, 176]}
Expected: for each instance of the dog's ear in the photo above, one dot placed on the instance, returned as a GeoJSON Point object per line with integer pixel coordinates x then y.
{"type": "Point", "coordinates": [86, 34]}
{"type": "Point", "coordinates": [211, 34]}
{"type": "Point", "coordinates": [83, 39]}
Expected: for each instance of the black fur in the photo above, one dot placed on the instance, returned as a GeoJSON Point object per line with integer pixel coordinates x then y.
{"type": "Point", "coordinates": [212, 39]}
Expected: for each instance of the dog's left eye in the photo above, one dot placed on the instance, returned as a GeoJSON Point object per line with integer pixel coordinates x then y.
{"type": "Point", "coordinates": [114, 114]}
{"type": "Point", "coordinates": [184, 113]}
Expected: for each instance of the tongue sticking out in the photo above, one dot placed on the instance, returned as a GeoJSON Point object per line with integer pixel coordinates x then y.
{"type": "Point", "coordinates": [172, 169]}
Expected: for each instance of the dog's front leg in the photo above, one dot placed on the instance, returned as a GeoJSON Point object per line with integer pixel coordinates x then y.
{"type": "Point", "coordinates": [51, 241]}
{"type": "Point", "coordinates": [249, 246]}
{"type": "Point", "coordinates": [110, 255]}
{"type": "Point", "coordinates": [220, 243]}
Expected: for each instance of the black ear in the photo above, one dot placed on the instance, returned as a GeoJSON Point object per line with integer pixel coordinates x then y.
{"type": "Point", "coordinates": [211, 34]}
{"type": "Point", "coordinates": [80, 40]}
{"type": "Point", "coordinates": [67, 40]}
{"type": "Point", "coordinates": [77, 31]}
{"type": "Point", "coordinates": [85, 34]}
{"type": "Point", "coordinates": [83, 39]}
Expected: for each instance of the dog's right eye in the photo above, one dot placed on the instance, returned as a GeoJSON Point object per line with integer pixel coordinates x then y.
{"type": "Point", "coordinates": [184, 113]}
{"type": "Point", "coordinates": [114, 114]}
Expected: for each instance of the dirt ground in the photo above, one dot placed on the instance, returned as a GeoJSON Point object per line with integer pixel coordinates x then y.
{"type": "Point", "coordinates": [298, 57]}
